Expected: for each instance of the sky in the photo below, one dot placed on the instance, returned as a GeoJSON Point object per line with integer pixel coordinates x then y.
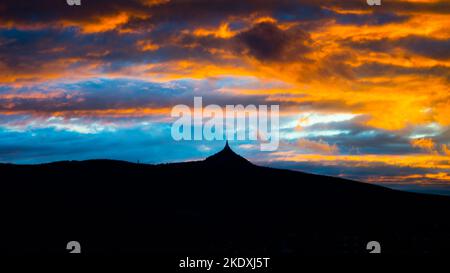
{"type": "Point", "coordinates": [363, 90]}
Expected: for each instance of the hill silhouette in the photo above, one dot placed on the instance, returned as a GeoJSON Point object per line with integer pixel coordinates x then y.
{"type": "Point", "coordinates": [223, 205]}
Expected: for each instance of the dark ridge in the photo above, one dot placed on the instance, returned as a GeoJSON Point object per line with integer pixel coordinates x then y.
{"type": "Point", "coordinates": [223, 205]}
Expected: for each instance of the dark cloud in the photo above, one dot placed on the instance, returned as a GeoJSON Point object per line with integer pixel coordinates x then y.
{"type": "Point", "coordinates": [39, 32]}
{"type": "Point", "coordinates": [104, 94]}
{"type": "Point", "coordinates": [438, 7]}
{"type": "Point", "coordinates": [266, 41]}
{"type": "Point", "coordinates": [334, 169]}
{"type": "Point", "coordinates": [353, 137]}
{"type": "Point", "coordinates": [192, 12]}
{"type": "Point", "coordinates": [199, 11]}
{"type": "Point", "coordinates": [432, 48]}
{"type": "Point", "coordinates": [51, 11]}
{"type": "Point", "coordinates": [31, 50]}
{"type": "Point", "coordinates": [429, 47]}
{"type": "Point", "coordinates": [27, 50]}
{"type": "Point", "coordinates": [378, 69]}
{"type": "Point", "coordinates": [375, 18]}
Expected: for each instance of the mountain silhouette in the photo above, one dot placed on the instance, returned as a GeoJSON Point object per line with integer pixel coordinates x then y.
{"type": "Point", "coordinates": [223, 205]}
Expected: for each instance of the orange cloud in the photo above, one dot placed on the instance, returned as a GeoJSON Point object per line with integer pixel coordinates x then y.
{"type": "Point", "coordinates": [425, 161]}
{"type": "Point", "coordinates": [426, 144]}
{"type": "Point", "coordinates": [116, 113]}
{"type": "Point", "coordinates": [418, 179]}
{"type": "Point", "coordinates": [147, 45]}
{"type": "Point", "coordinates": [446, 149]}
{"type": "Point", "coordinates": [104, 113]}
{"type": "Point", "coordinates": [222, 32]}
{"type": "Point", "coordinates": [154, 2]}
{"type": "Point", "coordinates": [103, 24]}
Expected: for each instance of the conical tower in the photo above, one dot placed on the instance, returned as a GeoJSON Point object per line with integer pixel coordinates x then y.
{"type": "Point", "coordinates": [227, 157]}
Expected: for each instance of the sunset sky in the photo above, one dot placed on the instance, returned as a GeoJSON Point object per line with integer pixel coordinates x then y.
{"type": "Point", "coordinates": [364, 91]}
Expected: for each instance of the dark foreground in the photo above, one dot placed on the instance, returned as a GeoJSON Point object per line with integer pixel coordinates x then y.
{"type": "Point", "coordinates": [223, 206]}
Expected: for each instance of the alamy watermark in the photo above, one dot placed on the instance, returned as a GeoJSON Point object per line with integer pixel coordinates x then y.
{"type": "Point", "coordinates": [374, 2]}
{"type": "Point", "coordinates": [73, 2]}
{"type": "Point", "coordinates": [235, 122]}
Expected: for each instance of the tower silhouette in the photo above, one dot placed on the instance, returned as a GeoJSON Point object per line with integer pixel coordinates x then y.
{"type": "Point", "coordinates": [228, 158]}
